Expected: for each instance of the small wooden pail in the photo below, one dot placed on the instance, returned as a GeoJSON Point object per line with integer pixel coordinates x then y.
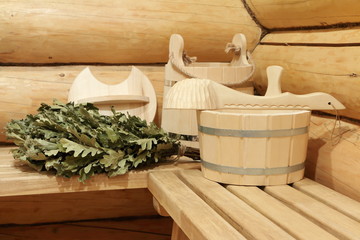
{"type": "Point", "coordinates": [182, 123]}
{"type": "Point", "coordinates": [253, 147]}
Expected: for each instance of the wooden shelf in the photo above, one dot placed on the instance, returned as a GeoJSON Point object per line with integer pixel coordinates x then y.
{"type": "Point", "coordinates": [116, 99]}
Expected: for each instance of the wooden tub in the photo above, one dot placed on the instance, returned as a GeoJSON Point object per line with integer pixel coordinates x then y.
{"type": "Point", "coordinates": [253, 147]}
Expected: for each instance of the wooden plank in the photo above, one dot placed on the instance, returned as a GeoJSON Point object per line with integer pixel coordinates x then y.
{"type": "Point", "coordinates": [147, 224]}
{"type": "Point", "coordinates": [177, 233]}
{"type": "Point", "coordinates": [196, 219]}
{"type": "Point", "coordinates": [326, 217]}
{"type": "Point", "coordinates": [274, 14]}
{"type": "Point", "coordinates": [59, 207]}
{"type": "Point", "coordinates": [314, 69]}
{"type": "Point", "coordinates": [244, 218]}
{"type": "Point", "coordinates": [291, 221]}
{"type": "Point", "coordinates": [28, 183]}
{"type": "Point", "coordinates": [159, 208]}
{"type": "Point", "coordinates": [23, 89]}
{"type": "Point", "coordinates": [125, 229]}
{"type": "Point", "coordinates": [332, 158]}
{"type": "Point", "coordinates": [343, 204]}
{"type": "Point", "coordinates": [106, 31]}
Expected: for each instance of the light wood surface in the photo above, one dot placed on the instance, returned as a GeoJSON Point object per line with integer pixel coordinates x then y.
{"type": "Point", "coordinates": [177, 233]}
{"type": "Point", "coordinates": [134, 95]}
{"type": "Point", "coordinates": [333, 157]}
{"type": "Point", "coordinates": [330, 197]}
{"type": "Point", "coordinates": [21, 180]}
{"type": "Point", "coordinates": [60, 207]}
{"type": "Point", "coordinates": [23, 89]}
{"type": "Point", "coordinates": [239, 156]}
{"type": "Point", "coordinates": [328, 218]}
{"type": "Point", "coordinates": [145, 228]}
{"type": "Point", "coordinates": [297, 225]}
{"type": "Point", "coordinates": [159, 209]}
{"type": "Point", "coordinates": [236, 73]}
{"type": "Point", "coordinates": [122, 31]}
{"type": "Point", "coordinates": [334, 37]}
{"type": "Point", "coordinates": [273, 212]}
{"type": "Point", "coordinates": [205, 94]}
{"type": "Point", "coordinates": [274, 14]}
{"type": "Point", "coordinates": [196, 219]}
{"type": "Point", "coordinates": [244, 218]}
{"type": "Point", "coordinates": [314, 61]}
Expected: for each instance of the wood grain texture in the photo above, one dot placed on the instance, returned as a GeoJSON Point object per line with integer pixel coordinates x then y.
{"type": "Point", "coordinates": [46, 208]}
{"type": "Point", "coordinates": [274, 14]}
{"type": "Point", "coordinates": [153, 228]}
{"type": "Point", "coordinates": [196, 219]}
{"type": "Point", "coordinates": [22, 89]}
{"type": "Point", "coordinates": [177, 233]}
{"type": "Point", "coordinates": [334, 159]}
{"type": "Point", "coordinates": [240, 215]}
{"type": "Point", "coordinates": [294, 223]}
{"type": "Point", "coordinates": [227, 154]}
{"type": "Point", "coordinates": [134, 95]}
{"type": "Point", "coordinates": [336, 200]}
{"type": "Point", "coordinates": [118, 31]}
{"type": "Point", "coordinates": [317, 68]}
{"type": "Point", "coordinates": [320, 37]}
{"type": "Point", "coordinates": [18, 180]}
{"type": "Point", "coordinates": [328, 218]}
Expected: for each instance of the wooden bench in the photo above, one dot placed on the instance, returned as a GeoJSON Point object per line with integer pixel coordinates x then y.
{"type": "Point", "coordinates": [28, 197]}
{"type": "Point", "coordinates": [203, 209]}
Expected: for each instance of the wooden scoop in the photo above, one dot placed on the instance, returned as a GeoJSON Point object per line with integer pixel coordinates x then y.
{"type": "Point", "coordinates": [203, 94]}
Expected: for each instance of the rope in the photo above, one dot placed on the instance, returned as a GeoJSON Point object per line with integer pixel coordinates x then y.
{"type": "Point", "coordinates": [181, 152]}
{"type": "Point", "coordinates": [232, 47]}
{"type": "Point", "coordinates": [180, 67]}
{"type": "Point", "coordinates": [187, 59]}
{"type": "Point", "coordinates": [337, 121]}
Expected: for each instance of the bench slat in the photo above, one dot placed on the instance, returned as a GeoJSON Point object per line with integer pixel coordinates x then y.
{"type": "Point", "coordinates": [330, 197]}
{"type": "Point", "coordinates": [294, 223]}
{"type": "Point", "coordinates": [244, 218]}
{"type": "Point", "coordinates": [197, 219]}
{"type": "Point", "coordinates": [23, 180]}
{"type": "Point", "coordinates": [325, 216]}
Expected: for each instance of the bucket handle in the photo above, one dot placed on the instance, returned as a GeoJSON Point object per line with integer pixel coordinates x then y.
{"type": "Point", "coordinates": [240, 58]}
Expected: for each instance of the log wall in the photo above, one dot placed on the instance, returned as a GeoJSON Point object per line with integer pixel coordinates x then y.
{"type": "Point", "coordinates": [314, 61]}
{"type": "Point", "coordinates": [280, 14]}
{"type": "Point", "coordinates": [317, 42]}
{"type": "Point", "coordinates": [333, 156]}
{"type": "Point", "coordinates": [315, 56]}
{"type": "Point", "coordinates": [23, 89]}
{"type": "Point", "coordinates": [122, 31]}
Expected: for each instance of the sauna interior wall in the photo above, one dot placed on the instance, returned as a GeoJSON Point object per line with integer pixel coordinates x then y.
{"type": "Point", "coordinates": [45, 45]}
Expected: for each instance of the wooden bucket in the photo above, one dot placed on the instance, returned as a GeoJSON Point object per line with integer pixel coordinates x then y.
{"type": "Point", "coordinates": [253, 147]}
{"type": "Point", "coordinates": [181, 122]}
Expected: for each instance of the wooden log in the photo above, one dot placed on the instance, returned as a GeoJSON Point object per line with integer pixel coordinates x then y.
{"type": "Point", "coordinates": [276, 14]}
{"type": "Point", "coordinates": [333, 157]}
{"type": "Point", "coordinates": [106, 31]}
{"type": "Point", "coordinates": [320, 61]}
{"type": "Point", "coordinates": [146, 228]}
{"type": "Point", "coordinates": [24, 88]}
